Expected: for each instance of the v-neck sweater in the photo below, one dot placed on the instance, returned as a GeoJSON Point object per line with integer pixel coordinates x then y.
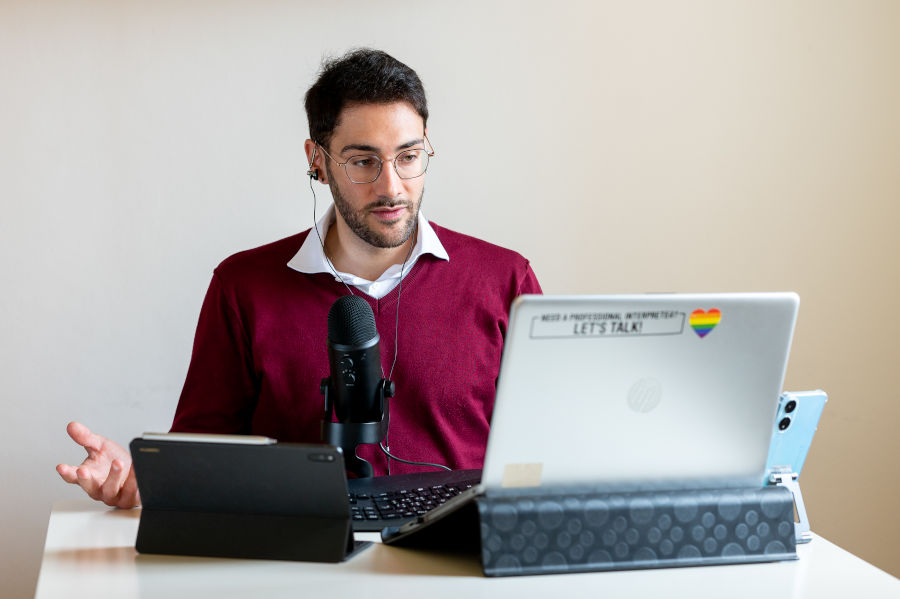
{"type": "Point", "coordinates": [260, 350]}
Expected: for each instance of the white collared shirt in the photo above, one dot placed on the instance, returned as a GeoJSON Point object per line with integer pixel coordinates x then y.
{"type": "Point", "coordinates": [311, 258]}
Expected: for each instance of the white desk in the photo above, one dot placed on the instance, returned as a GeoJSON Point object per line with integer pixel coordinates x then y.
{"type": "Point", "coordinates": [89, 552]}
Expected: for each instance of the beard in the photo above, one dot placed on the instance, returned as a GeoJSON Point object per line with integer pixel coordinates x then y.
{"type": "Point", "coordinates": [356, 219]}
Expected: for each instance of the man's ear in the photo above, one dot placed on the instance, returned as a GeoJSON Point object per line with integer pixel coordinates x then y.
{"type": "Point", "coordinates": [316, 167]}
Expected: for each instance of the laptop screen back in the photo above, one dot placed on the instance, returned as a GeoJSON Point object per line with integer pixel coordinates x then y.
{"type": "Point", "coordinates": [639, 392]}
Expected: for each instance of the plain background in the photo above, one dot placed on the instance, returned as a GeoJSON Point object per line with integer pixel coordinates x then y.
{"type": "Point", "coordinates": [622, 147]}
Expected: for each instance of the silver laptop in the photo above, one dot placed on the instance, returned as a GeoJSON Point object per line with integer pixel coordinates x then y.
{"type": "Point", "coordinates": [639, 392]}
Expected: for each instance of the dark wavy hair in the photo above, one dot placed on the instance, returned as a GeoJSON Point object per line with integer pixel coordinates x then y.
{"type": "Point", "coordinates": [362, 76]}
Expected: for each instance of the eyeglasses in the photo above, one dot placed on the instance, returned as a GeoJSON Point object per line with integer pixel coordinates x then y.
{"type": "Point", "coordinates": [366, 168]}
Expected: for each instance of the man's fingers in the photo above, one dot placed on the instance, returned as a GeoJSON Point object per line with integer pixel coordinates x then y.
{"type": "Point", "coordinates": [67, 473]}
{"type": "Point", "coordinates": [128, 495]}
{"type": "Point", "coordinates": [115, 486]}
{"type": "Point", "coordinates": [109, 490]}
{"type": "Point", "coordinates": [88, 482]}
{"type": "Point", "coordinates": [83, 436]}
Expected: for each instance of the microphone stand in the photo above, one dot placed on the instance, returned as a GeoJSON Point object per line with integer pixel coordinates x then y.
{"type": "Point", "coordinates": [347, 435]}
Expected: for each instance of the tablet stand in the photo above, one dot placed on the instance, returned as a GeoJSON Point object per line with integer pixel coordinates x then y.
{"type": "Point", "coordinates": [347, 435]}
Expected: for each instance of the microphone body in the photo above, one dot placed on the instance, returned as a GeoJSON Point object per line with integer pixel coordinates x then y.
{"type": "Point", "coordinates": [355, 393]}
{"type": "Point", "coordinates": [355, 381]}
{"type": "Point", "coordinates": [354, 360]}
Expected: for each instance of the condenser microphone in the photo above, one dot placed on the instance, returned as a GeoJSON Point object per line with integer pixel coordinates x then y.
{"type": "Point", "coordinates": [354, 360]}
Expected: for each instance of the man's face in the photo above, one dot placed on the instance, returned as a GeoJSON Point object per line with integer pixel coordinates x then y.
{"type": "Point", "coordinates": [382, 213]}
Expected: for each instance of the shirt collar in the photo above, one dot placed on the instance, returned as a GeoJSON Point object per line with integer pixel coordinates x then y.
{"type": "Point", "coordinates": [311, 258]}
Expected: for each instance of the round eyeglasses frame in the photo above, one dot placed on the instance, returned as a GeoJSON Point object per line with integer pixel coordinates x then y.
{"type": "Point", "coordinates": [428, 156]}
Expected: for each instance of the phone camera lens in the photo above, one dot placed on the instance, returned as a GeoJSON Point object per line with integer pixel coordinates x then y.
{"type": "Point", "coordinates": [790, 406]}
{"type": "Point", "coordinates": [784, 423]}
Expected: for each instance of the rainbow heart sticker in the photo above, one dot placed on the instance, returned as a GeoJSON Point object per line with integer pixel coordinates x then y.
{"type": "Point", "coordinates": [704, 322]}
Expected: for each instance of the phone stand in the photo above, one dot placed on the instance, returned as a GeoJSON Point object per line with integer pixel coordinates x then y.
{"type": "Point", "coordinates": [788, 480]}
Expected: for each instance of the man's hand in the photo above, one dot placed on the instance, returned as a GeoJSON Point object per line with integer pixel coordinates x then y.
{"type": "Point", "coordinates": [106, 474]}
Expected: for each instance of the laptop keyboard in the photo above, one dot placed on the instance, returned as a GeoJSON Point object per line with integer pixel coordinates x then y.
{"type": "Point", "coordinates": [394, 500]}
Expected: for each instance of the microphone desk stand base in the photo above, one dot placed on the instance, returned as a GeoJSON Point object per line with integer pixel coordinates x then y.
{"type": "Point", "coordinates": [348, 435]}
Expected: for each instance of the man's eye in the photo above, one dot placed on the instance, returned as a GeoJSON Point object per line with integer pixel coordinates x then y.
{"type": "Point", "coordinates": [408, 158]}
{"type": "Point", "coordinates": [364, 162]}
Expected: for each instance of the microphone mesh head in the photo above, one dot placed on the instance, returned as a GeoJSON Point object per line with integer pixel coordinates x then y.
{"type": "Point", "coordinates": [351, 321]}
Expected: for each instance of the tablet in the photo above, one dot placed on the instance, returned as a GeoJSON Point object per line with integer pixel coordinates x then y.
{"type": "Point", "coordinates": [219, 496]}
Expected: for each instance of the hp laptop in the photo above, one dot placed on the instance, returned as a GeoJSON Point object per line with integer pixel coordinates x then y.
{"type": "Point", "coordinates": [639, 391]}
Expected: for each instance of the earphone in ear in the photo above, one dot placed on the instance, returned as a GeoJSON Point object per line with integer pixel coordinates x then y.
{"type": "Point", "coordinates": [313, 173]}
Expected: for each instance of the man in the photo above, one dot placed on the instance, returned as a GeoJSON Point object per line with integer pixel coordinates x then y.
{"type": "Point", "coordinates": [259, 352]}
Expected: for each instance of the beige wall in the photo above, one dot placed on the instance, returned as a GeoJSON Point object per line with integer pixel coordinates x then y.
{"type": "Point", "coordinates": [645, 146]}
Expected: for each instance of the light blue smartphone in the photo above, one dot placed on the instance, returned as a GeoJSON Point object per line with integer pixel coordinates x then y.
{"type": "Point", "coordinates": [795, 425]}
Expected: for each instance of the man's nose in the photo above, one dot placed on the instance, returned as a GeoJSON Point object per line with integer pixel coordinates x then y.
{"type": "Point", "coordinates": [388, 184]}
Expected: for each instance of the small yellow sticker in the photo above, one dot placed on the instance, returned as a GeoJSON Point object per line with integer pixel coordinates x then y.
{"type": "Point", "coordinates": [522, 475]}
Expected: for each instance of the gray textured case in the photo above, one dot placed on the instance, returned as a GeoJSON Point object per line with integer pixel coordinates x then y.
{"type": "Point", "coordinates": [585, 531]}
{"type": "Point", "coordinates": [590, 532]}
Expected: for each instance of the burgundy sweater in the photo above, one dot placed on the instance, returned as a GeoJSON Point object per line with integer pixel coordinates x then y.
{"type": "Point", "coordinates": [260, 349]}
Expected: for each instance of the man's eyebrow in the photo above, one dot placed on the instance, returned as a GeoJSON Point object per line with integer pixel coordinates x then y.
{"type": "Point", "coordinates": [410, 144]}
{"type": "Point", "coordinates": [360, 147]}
{"type": "Point", "coordinates": [374, 150]}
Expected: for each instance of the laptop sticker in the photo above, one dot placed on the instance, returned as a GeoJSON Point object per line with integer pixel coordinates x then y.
{"type": "Point", "coordinates": [563, 325]}
{"type": "Point", "coordinates": [703, 322]}
{"type": "Point", "coordinates": [522, 475]}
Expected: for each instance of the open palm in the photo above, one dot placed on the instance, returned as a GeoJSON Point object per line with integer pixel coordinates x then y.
{"type": "Point", "coordinates": [106, 474]}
